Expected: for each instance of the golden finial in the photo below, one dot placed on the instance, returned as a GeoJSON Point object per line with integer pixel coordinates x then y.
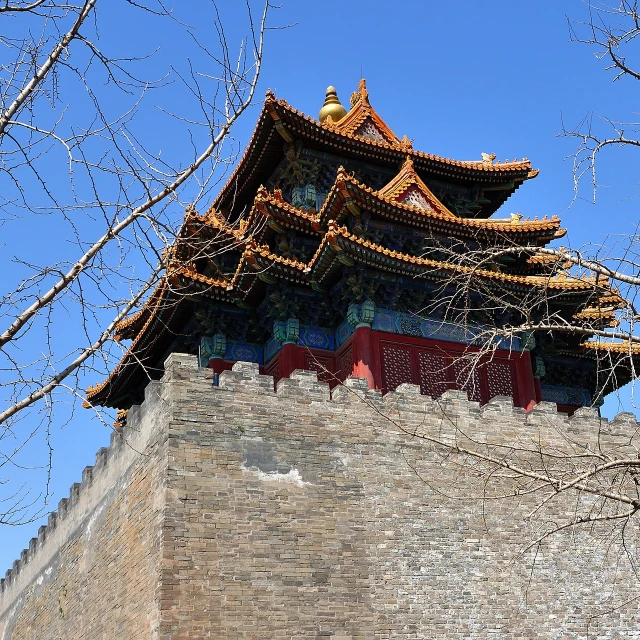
{"type": "Point", "coordinates": [332, 107]}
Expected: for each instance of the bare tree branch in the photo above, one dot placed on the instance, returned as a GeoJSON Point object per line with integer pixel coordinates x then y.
{"type": "Point", "coordinates": [71, 108]}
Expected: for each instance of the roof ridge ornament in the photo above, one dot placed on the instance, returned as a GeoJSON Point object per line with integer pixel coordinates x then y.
{"type": "Point", "coordinates": [406, 144]}
{"type": "Point", "coordinates": [407, 165]}
{"type": "Point", "coordinates": [488, 158]}
{"type": "Point", "coordinates": [361, 94]}
{"type": "Point", "coordinates": [362, 121]}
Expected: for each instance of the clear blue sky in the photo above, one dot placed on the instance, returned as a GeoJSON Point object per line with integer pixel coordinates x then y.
{"type": "Point", "coordinates": [459, 78]}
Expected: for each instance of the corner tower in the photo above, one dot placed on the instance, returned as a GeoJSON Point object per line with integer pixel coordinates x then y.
{"type": "Point", "coordinates": [333, 248]}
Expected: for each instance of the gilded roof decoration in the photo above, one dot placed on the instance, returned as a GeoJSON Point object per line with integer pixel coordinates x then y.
{"type": "Point", "coordinates": [332, 110]}
{"type": "Point", "coordinates": [131, 323]}
{"type": "Point", "coordinates": [93, 391]}
{"type": "Point", "coordinates": [605, 315]}
{"type": "Point", "coordinates": [347, 194]}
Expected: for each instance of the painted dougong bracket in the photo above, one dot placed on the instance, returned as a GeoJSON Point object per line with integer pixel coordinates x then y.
{"type": "Point", "coordinates": [212, 347]}
{"type": "Point", "coordinates": [287, 331]}
{"type": "Point", "coordinates": [361, 315]}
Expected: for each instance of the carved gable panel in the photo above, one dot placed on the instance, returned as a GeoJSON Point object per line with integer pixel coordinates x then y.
{"type": "Point", "coordinates": [414, 197]}
{"type": "Point", "coordinates": [369, 130]}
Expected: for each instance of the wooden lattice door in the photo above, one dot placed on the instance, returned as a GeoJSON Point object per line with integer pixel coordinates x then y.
{"type": "Point", "coordinates": [468, 377]}
{"type": "Point", "coordinates": [437, 369]}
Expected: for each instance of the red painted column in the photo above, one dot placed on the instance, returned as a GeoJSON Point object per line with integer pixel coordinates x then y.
{"type": "Point", "coordinates": [363, 355]}
{"type": "Point", "coordinates": [536, 383]}
{"type": "Point", "coordinates": [290, 358]}
{"type": "Point", "coordinates": [524, 379]}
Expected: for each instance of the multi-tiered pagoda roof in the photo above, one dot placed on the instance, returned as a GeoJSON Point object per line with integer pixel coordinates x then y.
{"type": "Point", "coordinates": [336, 246]}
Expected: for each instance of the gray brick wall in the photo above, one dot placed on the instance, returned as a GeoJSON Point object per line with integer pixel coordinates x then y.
{"type": "Point", "coordinates": [286, 514]}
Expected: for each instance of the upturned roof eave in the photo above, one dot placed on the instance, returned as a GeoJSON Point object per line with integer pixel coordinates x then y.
{"type": "Point", "coordinates": [336, 204]}
{"type": "Point", "coordinates": [277, 114]}
{"type": "Point", "coordinates": [137, 360]}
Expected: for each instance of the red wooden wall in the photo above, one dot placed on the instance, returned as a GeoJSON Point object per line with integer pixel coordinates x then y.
{"type": "Point", "coordinates": [434, 365]}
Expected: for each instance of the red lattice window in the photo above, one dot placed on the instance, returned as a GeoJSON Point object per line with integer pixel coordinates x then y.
{"type": "Point", "coordinates": [396, 365]}
{"type": "Point", "coordinates": [438, 369]}
{"type": "Point", "coordinates": [500, 378]}
{"type": "Point", "coordinates": [467, 372]}
{"type": "Point", "coordinates": [323, 365]}
{"type": "Point", "coordinates": [433, 368]}
{"type": "Point", "coordinates": [346, 363]}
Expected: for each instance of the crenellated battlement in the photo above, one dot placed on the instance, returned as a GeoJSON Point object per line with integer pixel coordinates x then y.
{"type": "Point", "coordinates": [498, 417]}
